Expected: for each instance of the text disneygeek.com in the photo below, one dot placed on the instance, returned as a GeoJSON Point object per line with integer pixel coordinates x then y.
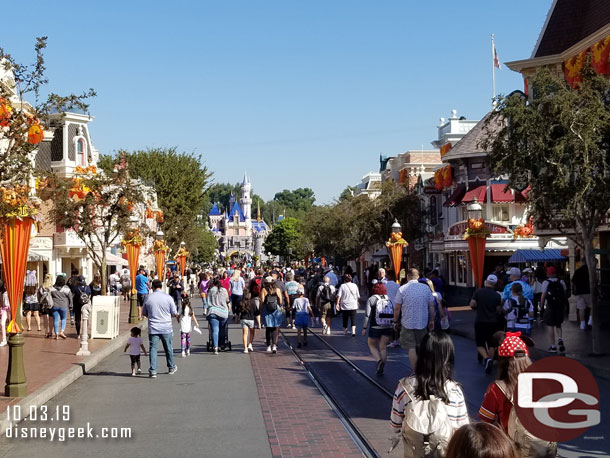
{"type": "Point", "coordinates": [63, 433]}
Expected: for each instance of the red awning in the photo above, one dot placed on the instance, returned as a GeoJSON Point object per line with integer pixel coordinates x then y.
{"type": "Point", "coordinates": [456, 197]}
{"type": "Point", "coordinates": [498, 193]}
{"type": "Point", "coordinates": [480, 192]}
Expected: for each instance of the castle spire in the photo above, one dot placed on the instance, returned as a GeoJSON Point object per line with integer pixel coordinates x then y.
{"type": "Point", "coordinates": [258, 210]}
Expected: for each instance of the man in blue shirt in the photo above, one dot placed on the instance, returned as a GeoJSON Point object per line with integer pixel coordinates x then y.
{"type": "Point", "coordinates": [141, 290]}
{"type": "Point", "coordinates": [159, 308]}
{"type": "Point", "coordinates": [514, 275]}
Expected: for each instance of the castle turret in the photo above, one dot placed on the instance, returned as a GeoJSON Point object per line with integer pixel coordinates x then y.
{"type": "Point", "coordinates": [246, 200]}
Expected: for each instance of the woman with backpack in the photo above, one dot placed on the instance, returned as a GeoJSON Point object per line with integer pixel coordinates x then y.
{"type": "Point", "coordinates": [46, 303]}
{"type": "Point", "coordinates": [218, 313]}
{"type": "Point", "coordinates": [347, 302]}
{"type": "Point", "coordinates": [519, 310]}
{"type": "Point", "coordinates": [271, 312]}
{"type": "Point", "coordinates": [497, 406]}
{"type": "Point", "coordinates": [429, 406]}
{"type": "Point", "coordinates": [62, 302]}
{"type": "Point", "coordinates": [378, 320]}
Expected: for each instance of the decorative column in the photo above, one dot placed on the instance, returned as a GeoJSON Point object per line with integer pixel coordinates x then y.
{"type": "Point", "coordinates": [16, 228]}
{"type": "Point", "coordinates": [84, 342]}
{"type": "Point", "coordinates": [132, 243]}
{"type": "Point", "coordinates": [396, 245]}
{"type": "Point", "coordinates": [181, 257]}
{"type": "Point", "coordinates": [160, 250]}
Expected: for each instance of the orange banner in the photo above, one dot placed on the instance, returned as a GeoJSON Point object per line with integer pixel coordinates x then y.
{"type": "Point", "coordinates": [476, 247]}
{"type": "Point", "coordinates": [182, 262]}
{"type": "Point", "coordinates": [396, 252]}
{"type": "Point", "coordinates": [160, 262]}
{"type": "Point", "coordinates": [133, 254]}
{"type": "Point", "coordinates": [599, 56]}
{"type": "Point", "coordinates": [14, 246]}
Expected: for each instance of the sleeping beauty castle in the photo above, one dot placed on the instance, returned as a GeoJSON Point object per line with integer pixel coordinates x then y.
{"type": "Point", "coordinates": [239, 236]}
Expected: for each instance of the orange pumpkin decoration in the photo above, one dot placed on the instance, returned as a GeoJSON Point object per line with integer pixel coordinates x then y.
{"type": "Point", "coordinates": [35, 133]}
{"type": "Point", "coordinates": [149, 213]}
{"type": "Point", "coordinates": [6, 112]}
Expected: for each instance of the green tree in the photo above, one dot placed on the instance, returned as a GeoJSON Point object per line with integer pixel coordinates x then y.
{"type": "Point", "coordinates": [96, 207]}
{"type": "Point", "coordinates": [286, 235]}
{"type": "Point", "coordinates": [204, 244]}
{"type": "Point", "coordinates": [299, 200]}
{"type": "Point", "coordinates": [180, 181]}
{"type": "Point", "coordinates": [558, 143]}
{"type": "Point", "coordinates": [347, 193]}
{"type": "Point", "coordinates": [221, 193]}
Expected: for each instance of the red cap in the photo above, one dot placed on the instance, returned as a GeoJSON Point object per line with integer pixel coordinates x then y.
{"type": "Point", "coordinates": [511, 343]}
{"type": "Point", "coordinates": [551, 271]}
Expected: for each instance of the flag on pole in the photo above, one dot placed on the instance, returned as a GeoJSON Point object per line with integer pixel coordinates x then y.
{"type": "Point", "coordinates": [497, 63]}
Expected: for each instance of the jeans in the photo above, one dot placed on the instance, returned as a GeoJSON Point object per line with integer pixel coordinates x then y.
{"type": "Point", "coordinates": [77, 317]}
{"type": "Point", "coordinates": [166, 341]}
{"type": "Point", "coordinates": [219, 327]}
{"type": "Point", "coordinates": [236, 303]}
{"type": "Point", "coordinates": [59, 313]}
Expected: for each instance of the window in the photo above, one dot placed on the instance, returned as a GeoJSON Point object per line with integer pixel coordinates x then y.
{"type": "Point", "coordinates": [462, 268]}
{"type": "Point", "coordinates": [81, 154]}
{"type": "Point", "coordinates": [501, 213]}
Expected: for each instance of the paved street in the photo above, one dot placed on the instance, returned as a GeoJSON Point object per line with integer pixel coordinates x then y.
{"type": "Point", "coordinates": [252, 405]}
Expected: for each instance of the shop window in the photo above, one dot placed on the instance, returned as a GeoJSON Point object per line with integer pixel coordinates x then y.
{"type": "Point", "coordinates": [462, 268]}
{"type": "Point", "coordinates": [501, 213]}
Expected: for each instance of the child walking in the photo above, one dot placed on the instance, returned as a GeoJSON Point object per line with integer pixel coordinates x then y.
{"type": "Point", "coordinates": [247, 315]}
{"type": "Point", "coordinates": [135, 344]}
{"type": "Point", "coordinates": [185, 319]}
{"type": "Point", "coordinates": [303, 312]}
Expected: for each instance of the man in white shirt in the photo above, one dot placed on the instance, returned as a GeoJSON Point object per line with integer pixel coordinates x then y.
{"type": "Point", "coordinates": [113, 280]}
{"type": "Point", "coordinates": [414, 301]}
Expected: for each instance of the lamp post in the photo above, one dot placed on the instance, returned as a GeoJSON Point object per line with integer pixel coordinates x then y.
{"type": "Point", "coordinates": [181, 258]}
{"type": "Point", "coordinates": [132, 243]}
{"type": "Point", "coordinates": [475, 209]}
{"type": "Point", "coordinates": [476, 234]}
{"type": "Point", "coordinates": [396, 245]}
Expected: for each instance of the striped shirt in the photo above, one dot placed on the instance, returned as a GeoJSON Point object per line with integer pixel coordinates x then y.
{"type": "Point", "coordinates": [495, 407]}
{"type": "Point", "coordinates": [456, 409]}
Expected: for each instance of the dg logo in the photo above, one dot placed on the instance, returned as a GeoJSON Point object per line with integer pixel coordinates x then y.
{"type": "Point", "coordinates": [557, 399]}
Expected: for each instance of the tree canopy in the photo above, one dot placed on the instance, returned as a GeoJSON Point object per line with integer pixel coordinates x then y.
{"type": "Point", "coordinates": [286, 239]}
{"type": "Point", "coordinates": [558, 143]}
{"type": "Point", "coordinates": [298, 200]}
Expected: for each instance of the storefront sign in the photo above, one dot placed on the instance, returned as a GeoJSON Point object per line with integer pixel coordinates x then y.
{"type": "Point", "coordinates": [460, 228]}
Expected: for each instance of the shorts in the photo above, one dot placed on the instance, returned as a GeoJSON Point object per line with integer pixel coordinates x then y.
{"type": "Point", "coordinates": [125, 289]}
{"type": "Point", "coordinates": [141, 299]}
{"type": "Point", "coordinates": [302, 320]}
{"type": "Point", "coordinates": [484, 332]}
{"type": "Point", "coordinates": [135, 359]}
{"type": "Point", "coordinates": [553, 316]}
{"type": "Point", "coordinates": [246, 324]}
{"type": "Point", "coordinates": [325, 309]}
{"type": "Point", "coordinates": [377, 332]}
{"type": "Point", "coordinates": [583, 301]}
{"type": "Point", "coordinates": [31, 307]}
{"type": "Point", "coordinates": [411, 338]}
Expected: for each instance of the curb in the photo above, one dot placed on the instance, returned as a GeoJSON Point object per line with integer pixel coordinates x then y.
{"type": "Point", "coordinates": [58, 384]}
{"type": "Point", "coordinates": [538, 354]}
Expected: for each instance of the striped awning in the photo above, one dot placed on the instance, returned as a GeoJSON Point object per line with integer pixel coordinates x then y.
{"type": "Point", "coordinates": [548, 255]}
{"type": "Point", "coordinates": [480, 192]}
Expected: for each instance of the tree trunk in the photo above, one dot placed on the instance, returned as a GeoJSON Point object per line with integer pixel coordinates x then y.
{"type": "Point", "coordinates": [103, 273]}
{"type": "Point", "coordinates": [587, 238]}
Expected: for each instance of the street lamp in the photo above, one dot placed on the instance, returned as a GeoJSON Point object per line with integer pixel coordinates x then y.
{"type": "Point", "coordinates": [396, 245]}
{"type": "Point", "coordinates": [475, 209]}
{"type": "Point", "coordinates": [132, 243]}
{"type": "Point", "coordinates": [396, 227]}
{"type": "Point", "coordinates": [160, 250]}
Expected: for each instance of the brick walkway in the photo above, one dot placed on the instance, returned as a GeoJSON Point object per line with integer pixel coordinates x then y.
{"type": "Point", "coordinates": [47, 359]}
{"type": "Point", "coordinates": [299, 422]}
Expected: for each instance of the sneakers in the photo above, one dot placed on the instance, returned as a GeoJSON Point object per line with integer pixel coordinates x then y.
{"type": "Point", "coordinates": [552, 349]}
{"type": "Point", "coordinates": [269, 349]}
{"type": "Point", "coordinates": [345, 332]}
{"type": "Point", "coordinates": [133, 374]}
{"type": "Point", "coordinates": [582, 325]}
{"type": "Point", "coordinates": [139, 371]}
{"type": "Point", "coordinates": [590, 323]}
{"type": "Point", "coordinates": [152, 375]}
{"type": "Point", "coordinates": [274, 349]}
{"type": "Point", "coordinates": [289, 326]}
{"type": "Point", "coordinates": [3, 343]}
{"type": "Point", "coordinates": [246, 351]}
{"type": "Point", "coordinates": [250, 347]}
{"type": "Point", "coordinates": [394, 344]}
{"type": "Point", "coordinates": [488, 365]}
{"type": "Point", "coordinates": [380, 366]}
{"type": "Point", "coordinates": [324, 328]}
{"type": "Point", "coordinates": [173, 370]}
{"type": "Point", "coordinates": [184, 354]}
{"type": "Point", "coordinates": [188, 352]}
{"type": "Point", "coordinates": [216, 350]}
{"type": "Point", "coordinates": [71, 320]}
{"type": "Point", "coordinates": [562, 348]}
{"type": "Point", "coordinates": [327, 330]}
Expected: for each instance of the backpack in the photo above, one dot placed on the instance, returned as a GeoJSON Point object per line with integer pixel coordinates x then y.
{"type": "Point", "coordinates": [271, 302]}
{"type": "Point", "coordinates": [326, 294]}
{"type": "Point", "coordinates": [46, 300]}
{"type": "Point", "coordinates": [526, 443]}
{"type": "Point", "coordinates": [257, 286]}
{"type": "Point", "coordinates": [125, 281]}
{"type": "Point", "coordinates": [556, 296]}
{"type": "Point", "coordinates": [82, 297]}
{"type": "Point", "coordinates": [384, 311]}
{"type": "Point", "coordinates": [520, 308]}
{"type": "Point", "coordinates": [426, 429]}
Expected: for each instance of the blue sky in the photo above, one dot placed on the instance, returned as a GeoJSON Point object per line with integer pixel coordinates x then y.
{"type": "Point", "coordinates": [298, 93]}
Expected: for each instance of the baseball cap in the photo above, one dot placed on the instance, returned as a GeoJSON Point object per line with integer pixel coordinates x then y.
{"type": "Point", "coordinates": [491, 278]}
{"type": "Point", "coordinates": [514, 271]}
{"type": "Point", "coordinates": [551, 271]}
{"type": "Point", "coordinates": [269, 279]}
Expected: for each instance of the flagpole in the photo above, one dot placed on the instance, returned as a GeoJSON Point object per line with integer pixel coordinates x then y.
{"type": "Point", "coordinates": [493, 72]}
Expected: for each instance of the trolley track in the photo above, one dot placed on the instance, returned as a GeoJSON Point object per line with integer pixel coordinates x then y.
{"type": "Point", "coordinates": [366, 423]}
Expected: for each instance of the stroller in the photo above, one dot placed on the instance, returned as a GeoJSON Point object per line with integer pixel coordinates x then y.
{"type": "Point", "coordinates": [225, 345]}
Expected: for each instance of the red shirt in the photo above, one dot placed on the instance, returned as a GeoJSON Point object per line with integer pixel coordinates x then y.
{"type": "Point", "coordinates": [495, 407]}
{"type": "Point", "coordinates": [226, 284]}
